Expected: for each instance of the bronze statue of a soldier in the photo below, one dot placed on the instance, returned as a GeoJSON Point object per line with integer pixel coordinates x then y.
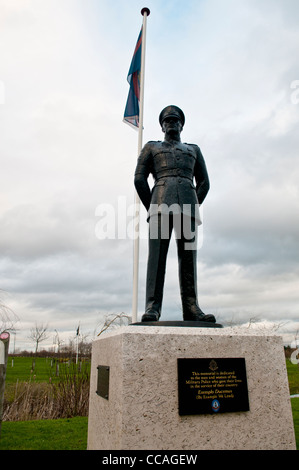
{"type": "Point", "coordinates": [173, 204]}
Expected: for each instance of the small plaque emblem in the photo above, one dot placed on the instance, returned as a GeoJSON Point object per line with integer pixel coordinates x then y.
{"type": "Point", "coordinates": [215, 405]}
{"type": "Point", "coordinates": [213, 365]}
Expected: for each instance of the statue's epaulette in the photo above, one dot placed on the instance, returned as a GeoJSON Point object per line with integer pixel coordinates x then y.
{"type": "Point", "coordinates": [153, 143]}
{"type": "Point", "coordinates": [195, 146]}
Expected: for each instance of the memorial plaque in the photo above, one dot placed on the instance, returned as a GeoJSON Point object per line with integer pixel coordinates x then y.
{"type": "Point", "coordinates": [211, 386]}
{"type": "Point", "coordinates": [103, 382]}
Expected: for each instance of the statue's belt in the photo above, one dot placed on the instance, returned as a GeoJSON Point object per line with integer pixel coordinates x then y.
{"type": "Point", "coordinates": [174, 172]}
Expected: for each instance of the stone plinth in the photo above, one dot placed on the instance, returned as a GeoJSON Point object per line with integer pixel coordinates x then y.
{"type": "Point", "coordinates": [141, 412]}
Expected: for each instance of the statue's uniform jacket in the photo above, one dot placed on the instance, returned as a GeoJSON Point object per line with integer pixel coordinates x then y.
{"type": "Point", "coordinates": [174, 168]}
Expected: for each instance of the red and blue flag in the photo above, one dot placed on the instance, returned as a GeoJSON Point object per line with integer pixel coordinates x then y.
{"type": "Point", "coordinates": [131, 115]}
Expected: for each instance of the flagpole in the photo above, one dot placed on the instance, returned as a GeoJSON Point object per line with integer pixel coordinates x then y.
{"type": "Point", "coordinates": [145, 13]}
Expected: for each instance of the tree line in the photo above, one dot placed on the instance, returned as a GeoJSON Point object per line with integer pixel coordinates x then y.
{"type": "Point", "coordinates": [78, 345]}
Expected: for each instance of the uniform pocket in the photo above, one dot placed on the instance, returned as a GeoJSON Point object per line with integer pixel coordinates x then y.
{"type": "Point", "coordinates": [161, 158]}
{"type": "Point", "coordinates": [159, 183]}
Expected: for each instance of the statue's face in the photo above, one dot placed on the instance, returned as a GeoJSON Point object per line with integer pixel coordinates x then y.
{"type": "Point", "coordinates": [172, 125]}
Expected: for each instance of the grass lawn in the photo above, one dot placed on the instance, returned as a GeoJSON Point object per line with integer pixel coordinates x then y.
{"type": "Point", "coordinates": [295, 409]}
{"type": "Point", "coordinates": [20, 369]}
{"type": "Point", "coordinates": [47, 434]}
{"type": "Point", "coordinates": [293, 376]}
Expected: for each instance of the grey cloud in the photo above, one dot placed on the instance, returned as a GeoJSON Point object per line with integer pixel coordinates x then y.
{"type": "Point", "coordinates": [33, 231]}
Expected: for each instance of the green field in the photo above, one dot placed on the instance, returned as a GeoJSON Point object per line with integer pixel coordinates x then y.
{"type": "Point", "coordinates": [293, 376]}
{"type": "Point", "coordinates": [47, 434]}
{"type": "Point", "coordinates": [21, 369]}
{"type": "Point", "coordinates": [71, 433]}
{"type": "Point", "coordinates": [295, 408]}
{"type": "Point", "coordinates": [45, 369]}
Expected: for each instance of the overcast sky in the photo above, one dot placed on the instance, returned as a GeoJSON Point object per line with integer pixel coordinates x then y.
{"type": "Point", "coordinates": [233, 68]}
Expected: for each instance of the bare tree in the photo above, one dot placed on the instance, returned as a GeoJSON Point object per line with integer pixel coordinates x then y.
{"type": "Point", "coordinates": [295, 352]}
{"type": "Point", "coordinates": [57, 341]}
{"type": "Point", "coordinates": [84, 345]}
{"type": "Point", "coordinates": [7, 317]}
{"type": "Point", "coordinates": [38, 334]}
{"type": "Point", "coordinates": [119, 319]}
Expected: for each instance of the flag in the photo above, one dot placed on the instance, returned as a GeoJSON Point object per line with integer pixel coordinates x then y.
{"type": "Point", "coordinates": [77, 332]}
{"type": "Point", "coordinates": [131, 115]}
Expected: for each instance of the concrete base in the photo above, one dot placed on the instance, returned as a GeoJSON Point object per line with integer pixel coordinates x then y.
{"type": "Point", "coordinates": [141, 412]}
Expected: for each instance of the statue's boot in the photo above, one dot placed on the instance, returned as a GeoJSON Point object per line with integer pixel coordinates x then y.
{"type": "Point", "coordinates": [188, 282]}
{"type": "Point", "coordinates": [192, 312]}
{"type": "Point", "coordinates": [156, 267]}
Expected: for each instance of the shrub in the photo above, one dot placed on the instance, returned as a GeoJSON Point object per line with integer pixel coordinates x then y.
{"type": "Point", "coordinates": [64, 398]}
